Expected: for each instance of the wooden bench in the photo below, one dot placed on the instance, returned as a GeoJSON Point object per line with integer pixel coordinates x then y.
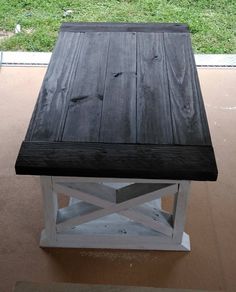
{"type": "Point", "coordinates": [119, 123]}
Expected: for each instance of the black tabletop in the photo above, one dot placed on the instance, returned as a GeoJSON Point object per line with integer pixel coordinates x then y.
{"type": "Point", "coordinates": [120, 100]}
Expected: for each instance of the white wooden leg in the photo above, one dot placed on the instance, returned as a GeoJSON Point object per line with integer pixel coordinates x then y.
{"type": "Point", "coordinates": [50, 207]}
{"type": "Point", "coordinates": [114, 215]}
{"type": "Point", "coordinates": [179, 211]}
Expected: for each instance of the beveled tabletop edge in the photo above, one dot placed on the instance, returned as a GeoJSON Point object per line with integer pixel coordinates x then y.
{"type": "Point", "coordinates": [124, 27]}
{"type": "Point", "coordinates": [176, 162]}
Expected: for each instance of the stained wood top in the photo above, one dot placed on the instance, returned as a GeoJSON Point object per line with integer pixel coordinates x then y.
{"type": "Point", "coordinates": [120, 100]}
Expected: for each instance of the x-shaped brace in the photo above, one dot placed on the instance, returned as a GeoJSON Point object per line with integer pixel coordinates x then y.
{"type": "Point", "coordinates": [103, 200]}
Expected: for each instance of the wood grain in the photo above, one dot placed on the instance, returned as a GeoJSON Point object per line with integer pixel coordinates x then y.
{"type": "Point", "coordinates": [120, 100]}
{"type": "Point", "coordinates": [50, 111]}
{"type": "Point", "coordinates": [117, 160]}
{"type": "Point", "coordinates": [189, 121]}
{"type": "Point", "coordinates": [124, 27]}
{"type": "Point", "coordinates": [118, 123]}
{"type": "Point", "coordinates": [85, 105]}
{"type": "Point", "coordinates": [154, 123]}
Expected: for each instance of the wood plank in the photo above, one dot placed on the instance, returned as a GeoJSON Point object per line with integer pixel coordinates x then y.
{"type": "Point", "coordinates": [118, 123]}
{"type": "Point", "coordinates": [76, 209]}
{"type": "Point", "coordinates": [157, 214]}
{"type": "Point", "coordinates": [80, 195]}
{"type": "Point", "coordinates": [50, 208]}
{"type": "Point", "coordinates": [98, 190]}
{"type": "Point", "coordinates": [85, 106]}
{"type": "Point", "coordinates": [148, 222]}
{"type": "Point", "coordinates": [117, 160]}
{"type": "Point", "coordinates": [153, 104]}
{"type": "Point", "coordinates": [123, 27]}
{"type": "Point", "coordinates": [110, 180]}
{"type": "Point", "coordinates": [135, 190]}
{"type": "Point", "coordinates": [189, 120]}
{"type": "Point", "coordinates": [111, 241]}
{"type": "Point", "coordinates": [50, 112]}
{"type": "Point", "coordinates": [54, 67]}
{"type": "Point", "coordinates": [179, 214]}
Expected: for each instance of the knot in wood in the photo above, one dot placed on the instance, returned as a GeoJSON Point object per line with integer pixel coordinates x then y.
{"type": "Point", "coordinates": [156, 58]}
{"type": "Point", "coordinates": [78, 98]}
{"type": "Point", "coordinates": [117, 74]}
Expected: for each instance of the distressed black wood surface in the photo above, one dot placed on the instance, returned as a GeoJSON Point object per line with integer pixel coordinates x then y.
{"type": "Point", "coordinates": [124, 27]}
{"type": "Point", "coordinates": [189, 121]}
{"type": "Point", "coordinates": [117, 160]}
{"type": "Point", "coordinates": [154, 123]}
{"type": "Point", "coordinates": [48, 119]}
{"type": "Point", "coordinates": [120, 86]}
{"type": "Point", "coordinates": [118, 123]}
{"type": "Point", "coordinates": [85, 104]}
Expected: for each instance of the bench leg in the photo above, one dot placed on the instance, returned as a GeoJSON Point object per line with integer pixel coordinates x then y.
{"type": "Point", "coordinates": [120, 214]}
{"type": "Point", "coordinates": [179, 210]}
{"type": "Point", "coordinates": [50, 208]}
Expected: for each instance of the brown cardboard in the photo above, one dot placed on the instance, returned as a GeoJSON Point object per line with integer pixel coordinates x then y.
{"type": "Point", "coordinates": [68, 287]}
{"type": "Point", "coordinates": [211, 216]}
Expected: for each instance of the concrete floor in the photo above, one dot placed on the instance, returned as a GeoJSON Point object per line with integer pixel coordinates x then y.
{"type": "Point", "coordinates": [211, 216]}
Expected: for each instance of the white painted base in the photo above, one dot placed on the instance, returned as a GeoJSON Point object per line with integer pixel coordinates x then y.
{"type": "Point", "coordinates": [115, 242]}
{"type": "Point", "coordinates": [114, 215]}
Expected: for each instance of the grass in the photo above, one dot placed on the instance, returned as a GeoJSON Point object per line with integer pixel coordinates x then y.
{"type": "Point", "coordinates": [212, 22]}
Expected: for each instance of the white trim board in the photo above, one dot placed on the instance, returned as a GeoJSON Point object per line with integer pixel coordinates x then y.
{"type": "Point", "coordinates": [43, 58]}
{"type": "Point", "coordinates": [24, 58]}
{"type": "Point", "coordinates": [215, 60]}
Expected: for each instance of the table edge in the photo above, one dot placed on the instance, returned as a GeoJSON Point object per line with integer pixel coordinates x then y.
{"type": "Point", "coordinates": [123, 27]}
{"type": "Point", "coordinates": [175, 162]}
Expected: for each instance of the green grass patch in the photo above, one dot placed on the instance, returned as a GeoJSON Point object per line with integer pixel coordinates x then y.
{"type": "Point", "coordinates": [212, 22]}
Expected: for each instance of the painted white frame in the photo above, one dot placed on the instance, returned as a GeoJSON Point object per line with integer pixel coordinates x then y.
{"type": "Point", "coordinates": [26, 59]}
{"type": "Point", "coordinates": [91, 221]}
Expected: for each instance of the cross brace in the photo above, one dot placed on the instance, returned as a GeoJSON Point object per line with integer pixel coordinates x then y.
{"type": "Point", "coordinates": [114, 213]}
